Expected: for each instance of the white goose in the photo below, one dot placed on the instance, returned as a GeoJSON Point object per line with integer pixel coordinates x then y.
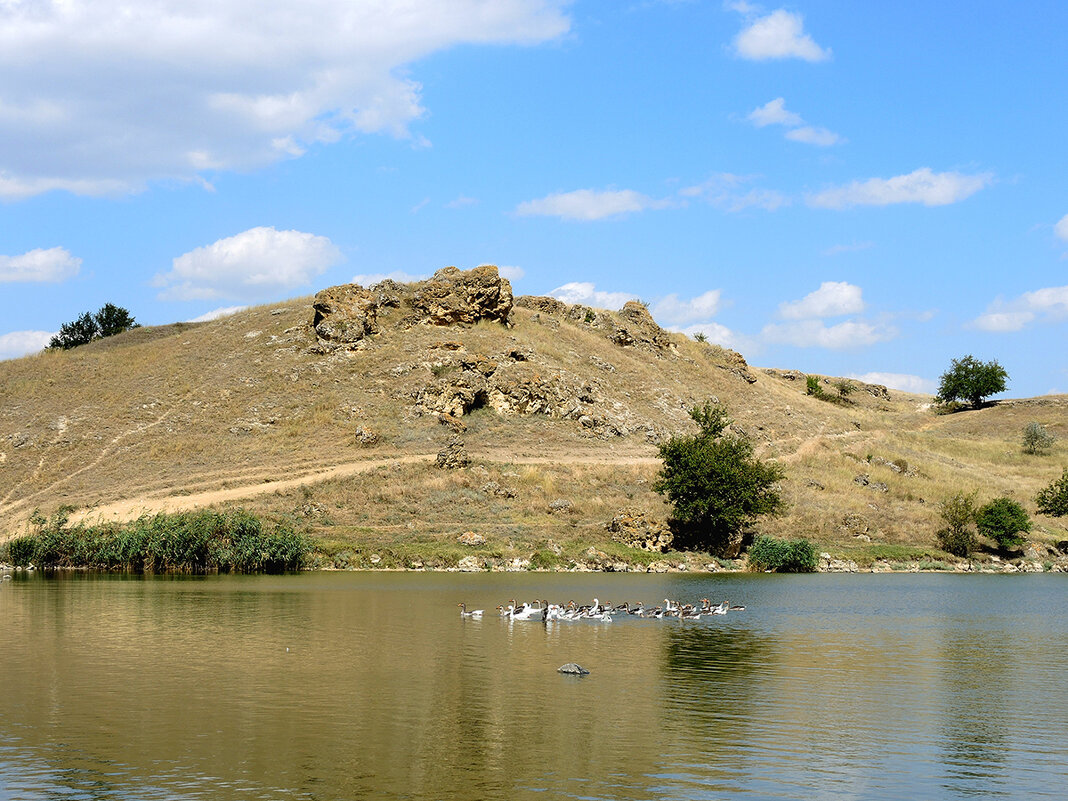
{"type": "Point", "coordinates": [474, 613]}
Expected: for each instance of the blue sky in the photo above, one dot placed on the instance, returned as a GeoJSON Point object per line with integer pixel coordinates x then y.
{"type": "Point", "coordinates": [854, 189]}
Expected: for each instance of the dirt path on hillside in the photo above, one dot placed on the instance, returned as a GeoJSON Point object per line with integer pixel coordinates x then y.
{"type": "Point", "coordinates": [131, 508]}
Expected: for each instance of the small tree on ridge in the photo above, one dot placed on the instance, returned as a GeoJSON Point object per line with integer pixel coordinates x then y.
{"type": "Point", "coordinates": [971, 380]}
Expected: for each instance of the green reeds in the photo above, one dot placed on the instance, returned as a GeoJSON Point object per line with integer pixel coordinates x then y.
{"type": "Point", "coordinates": [186, 542]}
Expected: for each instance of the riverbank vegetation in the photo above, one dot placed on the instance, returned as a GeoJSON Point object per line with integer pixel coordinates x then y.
{"type": "Point", "coordinates": [190, 542]}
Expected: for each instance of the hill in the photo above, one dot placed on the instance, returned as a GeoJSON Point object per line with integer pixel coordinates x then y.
{"type": "Point", "coordinates": [332, 411]}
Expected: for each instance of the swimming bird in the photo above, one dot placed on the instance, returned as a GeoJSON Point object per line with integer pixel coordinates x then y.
{"type": "Point", "coordinates": [475, 613]}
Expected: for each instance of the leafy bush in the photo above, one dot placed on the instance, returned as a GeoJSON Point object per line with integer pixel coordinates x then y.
{"type": "Point", "coordinates": [1003, 519]}
{"type": "Point", "coordinates": [715, 482]}
{"type": "Point", "coordinates": [1053, 500]}
{"type": "Point", "coordinates": [1036, 439]}
{"type": "Point", "coordinates": [958, 513]}
{"type": "Point", "coordinates": [108, 321]}
{"type": "Point", "coordinates": [845, 388]}
{"type": "Point", "coordinates": [783, 556]}
{"type": "Point", "coordinates": [812, 386]}
{"type": "Point", "coordinates": [971, 380]}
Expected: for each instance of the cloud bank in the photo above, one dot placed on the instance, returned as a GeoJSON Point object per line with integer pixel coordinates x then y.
{"type": "Point", "coordinates": [101, 97]}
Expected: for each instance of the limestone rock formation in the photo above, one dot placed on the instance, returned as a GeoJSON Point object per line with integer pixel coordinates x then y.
{"type": "Point", "coordinates": [453, 455]}
{"type": "Point", "coordinates": [344, 316]}
{"type": "Point", "coordinates": [634, 528]}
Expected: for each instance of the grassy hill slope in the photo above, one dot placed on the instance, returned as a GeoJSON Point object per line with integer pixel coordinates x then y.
{"type": "Point", "coordinates": [561, 414]}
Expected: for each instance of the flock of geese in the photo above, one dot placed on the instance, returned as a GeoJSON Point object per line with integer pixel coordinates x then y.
{"type": "Point", "coordinates": [544, 611]}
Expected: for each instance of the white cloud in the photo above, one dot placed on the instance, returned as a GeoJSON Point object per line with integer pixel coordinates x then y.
{"type": "Point", "coordinates": [53, 265]}
{"type": "Point", "coordinates": [810, 135]}
{"type": "Point", "coordinates": [920, 186]}
{"type": "Point", "coordinates": [101, 97]}
{"type": "Point", "coordinates": [672, 310]}
{"type": "Point", "coordinates": [727, 192]}
{"type": "Point", "coordinates": [814, 334]}
{"type": "Point", "coordinates": [780, 34]}
{"type": "Point", "coordinates": [1050, 303]}
{"type": "Point", "coordinates": [589, 204]}
{"type": "Point", "coordinates": [511, 273]}
{"type": "Point", "coordinates": [774, 113]}
{"type": "Point", "coordinates": [215, 314]}
{"type": "Point", "coordinates": [21, 343]}
{"type": "Point", "coordinates": [254, 264]}
{"type": "Point", "coordinates": [1061, 228]}
{"type": "Point", "coordinates": [832, 299]}
{"type": "Point", "coordinates": [587, 294]}
{"type": "Point", "coordinates": [401, 277]}
{"type": "Point", "coordinates": [901, 381]}
{"type": "Point", "coordinates": [720, 335]}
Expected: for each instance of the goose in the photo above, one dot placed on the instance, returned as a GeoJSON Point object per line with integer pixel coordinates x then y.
{"type": "Point", "coordinates": [475, 613]}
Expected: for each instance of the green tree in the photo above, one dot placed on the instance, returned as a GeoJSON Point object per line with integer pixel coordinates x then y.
{"type": "Point", "coordinates": [112, 319]}
{"type": "Point", "coordinates": [108, 321]}
{"type": "Point", "coordinates": [78, 332]}
{"type": "Point", "coordinates": [1053, 499]}
{"type": "Point", "coordinates": [1004, 520]}
{"type": "Point", "coordinates": [958, 513]}
{"type": "Point", "coordinates": [1036, 439]}
{"type": "Point", "coordinates": [971, 380]}
{"type": "Point", "coordinates": [715, 482]}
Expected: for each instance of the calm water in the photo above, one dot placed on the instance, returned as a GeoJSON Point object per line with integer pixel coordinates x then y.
{"type": "Point", "coordinates": [364, 686]}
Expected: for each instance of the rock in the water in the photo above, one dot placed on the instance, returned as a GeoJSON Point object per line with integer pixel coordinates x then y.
{"type": "Point", "coordinates": [572, 669]}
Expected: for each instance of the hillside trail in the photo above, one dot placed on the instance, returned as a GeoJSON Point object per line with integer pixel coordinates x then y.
{"type": "Point", "coordinates": [134, 507]}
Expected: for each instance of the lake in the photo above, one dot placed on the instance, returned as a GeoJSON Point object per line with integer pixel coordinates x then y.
{"type": "Point", "coordinates": [371, 686]}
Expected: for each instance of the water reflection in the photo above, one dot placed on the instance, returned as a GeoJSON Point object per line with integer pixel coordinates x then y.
{"type": "Point", "coordinates": [351, 686]}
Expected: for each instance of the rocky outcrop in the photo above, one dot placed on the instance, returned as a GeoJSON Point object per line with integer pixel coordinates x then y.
{"type": "Point", "coordinates": [630, 327]}
{"type": "Point", "coordinates": [453, 456]}
{"type": "Point", "coordinates": [634, 528]}
{"type": "Point", "coordinates": [346, 315]}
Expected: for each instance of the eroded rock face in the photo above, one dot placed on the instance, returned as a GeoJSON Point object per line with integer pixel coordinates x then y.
{"type": "Point", "coordinates": [346, 315]}
{"type": "Point", "coordinates": [454, 296]}
{"type": "Point", "coordinates": [634, 528]}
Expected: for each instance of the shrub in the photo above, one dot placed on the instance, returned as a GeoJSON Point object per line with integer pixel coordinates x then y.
{"type": "Point", "coordinates": [1053, 499]}
{"type": "Point", "coordinates": [715, 482]}
{"type": "Point", "coordinates": [845, 388]}
{"type": "Point", "coordinates": [783, 556]}
{"type": "Point", "coordinates": [700, 336]}
{"type": "Point", "coordinates": [958, 513]}
{"type": "Point", "coordinates": [1003, 519]}
{"type": "Point", "coordinates": [812, 386]}
{"type": "Point", "coordinates": [969, 379]}
{"type": "Point", "coordinates": [1036, 439]}
{"type": "Point", "coordinates": [108, 321]}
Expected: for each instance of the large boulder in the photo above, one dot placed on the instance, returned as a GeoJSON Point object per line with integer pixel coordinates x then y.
{"type": "Point", "coordinates": [345, 314]}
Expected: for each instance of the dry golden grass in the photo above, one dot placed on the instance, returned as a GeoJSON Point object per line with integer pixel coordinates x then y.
{"type": "Point", "coordinates": [248, 399]}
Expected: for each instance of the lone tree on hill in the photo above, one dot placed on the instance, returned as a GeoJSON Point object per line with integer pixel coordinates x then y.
{"type": "Point", "coordinates": [1037, 439]}
{"type": "Point", "coordinates": [715, 482]}
{"type": "Point", "coordinates": [108, 321]}
{"type": "Point", "coordinates": [971, 380]}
